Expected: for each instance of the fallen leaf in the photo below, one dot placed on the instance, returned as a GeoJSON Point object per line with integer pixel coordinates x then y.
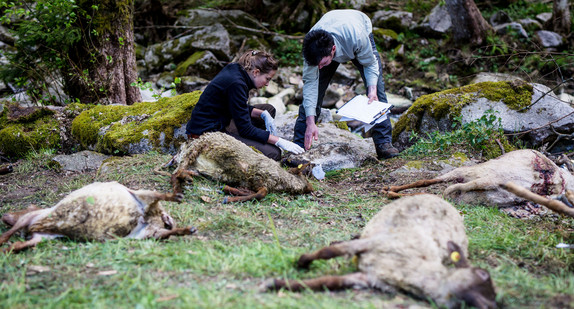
{"type": "Point", "coordinates": [107, 272]}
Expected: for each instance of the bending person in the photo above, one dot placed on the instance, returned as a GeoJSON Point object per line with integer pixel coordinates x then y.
{"type": "Point", "coordinates": [223, 106]}
{"type": "Point", "coordinates": [341, 36]}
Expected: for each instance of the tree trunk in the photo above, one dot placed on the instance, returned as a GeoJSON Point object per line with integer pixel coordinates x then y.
{"type": "Point", "coordinates": [561, 17]}
{"type": "Point", "coordinates": [468, 25]}
{"type": "Point", "coordinates": [104, 64]}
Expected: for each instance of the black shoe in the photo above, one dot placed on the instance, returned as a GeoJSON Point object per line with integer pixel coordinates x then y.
{"type": "Point", "coordinates": [386, 151]}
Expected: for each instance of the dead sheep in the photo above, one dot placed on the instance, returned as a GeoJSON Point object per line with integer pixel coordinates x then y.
{"type": "Point", "coordinates": [96, 212]}
{"type": "Point", "coordinates": [223, 158]}
{"type": "Point", "coordinates": [482, 183]}
{"type": "Point", "coordinates": [410, 245]}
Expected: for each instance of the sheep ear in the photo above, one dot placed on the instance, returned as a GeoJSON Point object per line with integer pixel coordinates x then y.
{"type": "Point", "coordinates": [456, 255]}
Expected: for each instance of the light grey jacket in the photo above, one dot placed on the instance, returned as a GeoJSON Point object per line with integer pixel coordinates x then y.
{"type": "Point", "coordinates": [350, 30]}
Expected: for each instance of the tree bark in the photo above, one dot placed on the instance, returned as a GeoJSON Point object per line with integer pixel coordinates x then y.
{"type": "Point", "coordinates": [561, 17]}
{"type": "Point", "coordinates": [103, 64]}
{"type": "Point", "coordinates": [468, 25]}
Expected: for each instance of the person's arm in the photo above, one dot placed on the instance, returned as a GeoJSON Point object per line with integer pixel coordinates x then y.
{"type": "Point", "coordinates": [310, 96]}
{"type": "Point", "coordinates": [370, 64]}
{"type": "Point", "coordinates": [256, 113]}
{"type": "Point", "coordinates": [311, 133]}
{"type": "Point", "coordinates": [240, 112]}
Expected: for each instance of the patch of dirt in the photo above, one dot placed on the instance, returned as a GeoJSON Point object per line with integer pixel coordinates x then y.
{"type": "Point", "coordinates": [20, 189]}
{"type": "Point", "coordinates": [562, 301]}
{"type": "Point", "coordinates": [372, 178]}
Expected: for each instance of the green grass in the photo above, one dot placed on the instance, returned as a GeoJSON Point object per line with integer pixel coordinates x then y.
{"type": "Point", "coordinates": [239, 246]}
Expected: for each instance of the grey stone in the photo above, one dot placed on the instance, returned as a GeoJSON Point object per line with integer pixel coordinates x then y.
{"type": "Point", "coordinates": [493, 77]}
{"type": "Point", "coordinates": [336, 148]}
{"type": "Point", "coordinates": [398, 21]}
{"type": "Point", "coordinates": [438, 22]}
{"type": "Point", "coordinates": [81, 161]}
{"type": "Point", "coordinates": [549, 39]}
{"type": "Point", "coordinates": [504, 28]}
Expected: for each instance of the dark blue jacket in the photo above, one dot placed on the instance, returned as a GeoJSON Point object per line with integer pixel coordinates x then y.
{"type": "Point", "coordinates": [225, 98]}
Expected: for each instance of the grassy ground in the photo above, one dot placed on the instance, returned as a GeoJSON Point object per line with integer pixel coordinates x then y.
{"type": "Point", "coordinates": [239, 246]}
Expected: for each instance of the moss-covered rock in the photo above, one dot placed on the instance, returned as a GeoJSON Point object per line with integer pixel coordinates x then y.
{"type": "Point", "coordinates": [386, 39]}
{"type": "Point", "coordinates": [25, 129]}
{"type": "Point", "coordinates": [201, 63]}
{"type": "Point", "coordinates": [17, 139]}
{"type": "Point", "coordinates": [438, 111]}
{"type": "Point", "coordinates": [138, 128]}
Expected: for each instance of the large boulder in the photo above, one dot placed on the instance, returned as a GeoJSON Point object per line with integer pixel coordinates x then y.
{"type": "Point", "coordinates": [137, 128]}
{"type": "Point", "coordinates": [437, 23]}
{"type": "Point", "coordinates": [521, 106]}
{"type": "Point", "coordinates": [214, 38]}
{"type": "Point", "coordinates": [230, 19]}
{"type": "Point", "coordinates": [202, 63]}
{"type": "Point", "coordinates": [398, 21]}
{"type": "Point", "coordinates": [32, 128]}
{"type": "Point", "coordinates": [337, 147]}
{"type": "Point", "coordinates": [242, 27]}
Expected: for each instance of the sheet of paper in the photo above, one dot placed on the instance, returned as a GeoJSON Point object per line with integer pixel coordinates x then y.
{"type": "Point", "coordinates": [358, 108]}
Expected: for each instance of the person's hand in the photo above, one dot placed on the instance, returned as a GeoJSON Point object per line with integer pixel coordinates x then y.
{"type": "Point", "coordinates": [289, 146]}
{"type": "Point", "coordinates": [269, 122]}
{"type": "Point", "coordinates": [312, 132]}
{"type": "Point", "coordinates": [372, 93]}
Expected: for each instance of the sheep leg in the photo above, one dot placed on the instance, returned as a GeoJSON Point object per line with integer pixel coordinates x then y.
{"type": "Point", "coordinates": [21, 245]}
{"type": "Point", "coordinates": [181, 231]}
{"type": "Point", "coordinates": [555, 205]}
{"type": "Point", "coordinates": [259, 195]}
{"type": "Point", "coordinates": [333, 283]}
{"type": "Point", "coordinates": [475, 185]}
{"type": "Point", "coordinates": [180, 177]}
{"type": "Point", "coordinates": [11, 218]}
{"type": "Point", "coordinates": [150, 197]}
{"type": "Point", "coordinates": [352, 247]}
{"type": "Point", "coordinates": [395, 195]}
{"type": "Point", "coordinates": [235, 191]}
{"type": "Point", "coordinates": [416, 184]}
{"type": "Point", "coordinates": [22, 222]}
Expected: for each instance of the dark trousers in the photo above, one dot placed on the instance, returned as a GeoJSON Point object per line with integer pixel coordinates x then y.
{"type": "Point", "coordinates": [269, 150]}
{"type": "Point", "coordinates": [381, 132]}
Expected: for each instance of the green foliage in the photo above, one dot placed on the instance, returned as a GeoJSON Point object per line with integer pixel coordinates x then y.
{"type": "Point", "coordinates": [288, 52]}
{"type": "Point", "coordinates": [45, 32]}
{"type": "Point", "coordinates": [519, 9]}
{"type": "Point", "coordinates": [495, 46]}
{"type": "Point", "coordinates": [156, 92]}
{"type": "Point", "coordinates": [478, 136]}
{"type": "Point", "coordinates": [60, 42]}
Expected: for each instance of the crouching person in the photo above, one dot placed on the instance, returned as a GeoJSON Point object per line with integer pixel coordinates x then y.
{"type": "Point", "coordinates": [223, 106]}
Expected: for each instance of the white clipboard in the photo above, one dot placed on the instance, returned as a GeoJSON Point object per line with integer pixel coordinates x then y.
{"type": "Point", "coordinates": [358, 108]}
